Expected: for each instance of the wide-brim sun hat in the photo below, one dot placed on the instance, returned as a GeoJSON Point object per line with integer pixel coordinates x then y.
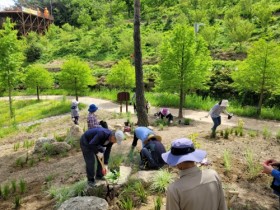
{"type": "Point", "coordinates": [152, 136]}
{"type": "Point", "coordinates": [92, 108]}
{"type": "Point", "coordinates": [183, 150]}
{"type": "Point", "coordinates": [224, 103]}
{"type": "Point", "coordinates": [119, 136]}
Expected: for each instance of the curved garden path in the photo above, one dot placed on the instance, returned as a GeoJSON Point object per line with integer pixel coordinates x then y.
{"type": "Point", "coordinates": [252, 124]}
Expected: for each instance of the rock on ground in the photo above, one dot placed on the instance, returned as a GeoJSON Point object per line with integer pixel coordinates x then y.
{"type": "Point", "coordinates": [85, 203]}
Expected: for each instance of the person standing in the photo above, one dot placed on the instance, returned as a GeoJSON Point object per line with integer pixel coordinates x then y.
{"type": "Point", "coordinates": [215, 114]}
{"type": "Point", "coordinates": [272, 167]}
{"type": "Point", "coordinates": [98, 142]}
{"type": "Point", "coordinates": [75, 112]}
{"type": "Point", "coordinates": [195, 189]}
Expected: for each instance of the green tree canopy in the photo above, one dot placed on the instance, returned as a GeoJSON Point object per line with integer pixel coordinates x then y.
{"type": "Point", "coordinates": [11, 57]}
{"type": "Point", "coordinates": [75, 76]}
{"type": "Point", "coordinates": [260, 72]}
{"type": "Point", "coordinates": [185, 63]}
{"type": "Point", "coordinates": [38, 78]}
{"type": "Point", "coordinates": [122, 75]}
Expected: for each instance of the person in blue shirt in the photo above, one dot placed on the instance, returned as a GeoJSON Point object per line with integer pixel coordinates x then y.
{"type": "Point", "coordinates": [272, 167]}
{"type": "Point", "coordinates": [152, 148]}
{"type": "Point", "coordinates": [98, 142]}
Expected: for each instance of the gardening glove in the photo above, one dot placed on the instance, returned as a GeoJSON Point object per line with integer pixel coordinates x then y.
{"type": "Point", "coordinates": [100, 155]}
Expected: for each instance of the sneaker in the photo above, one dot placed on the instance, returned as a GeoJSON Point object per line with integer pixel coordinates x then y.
{"type": "Point", "coordinates": [91, 183]}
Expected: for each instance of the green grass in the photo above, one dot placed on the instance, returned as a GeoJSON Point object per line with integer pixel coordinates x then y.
{"type": "Point", "coordinates": [161, 180]}
{"type": "Point", "coordinates": [64, 193]}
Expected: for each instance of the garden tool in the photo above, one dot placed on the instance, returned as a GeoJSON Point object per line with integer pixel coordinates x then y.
{"type": "Point", "coordinates": [101, 161]}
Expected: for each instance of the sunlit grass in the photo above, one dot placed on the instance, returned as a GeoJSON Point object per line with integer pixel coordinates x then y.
{"type": "Point", "coordinates": [30, 110]}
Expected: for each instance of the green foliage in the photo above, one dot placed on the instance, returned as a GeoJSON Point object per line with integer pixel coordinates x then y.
{"type": "Point", "coordinates": [226, 134]}
{"type": "Point", "coordinates": [64, 193]}
{"type": "Point", "coordinates": [184, 57]}
{"type": "Point", "coordinates": [14, 185]}
{"type": "Point", "coordinates": [266, 133]}
{"type": "Point", "coordinates": [76, 76]}
{"type": "Point", "coordinates": [193, 137]}
{"type": "Point", "coordinates": [16, 146]}
{"type": "Point", "coordinates": [113, 176]}
{"type": "Point", "coordinates": [38, 78]}
{"type": "Point", "coordinates": [227, 161]}
{"type": "Point", "coordinates": [22, 186]}
{"type": "Point", "coordinates": [158, 203]}
{"type": "Point", "coordinates": [17, 202]}
{"type": "Point", "coordinates": [11, 58]}
{"type": "Point", "coordinates": [48, 148]}
{"type": "Point", "coordinates": [254, 168]}
{"type": "Point", "coordinates": [122, 75]}
{"type": "Point", "coordinates": [161, 180]}
{"type": "Point", "coordinates": [5, 191]}
{"type": "Point", "coordinates": [278, 135]}
{"type": "Point", "coordinates": [126, 203]}
{"type": "Point", "coordinates": [260, 72]}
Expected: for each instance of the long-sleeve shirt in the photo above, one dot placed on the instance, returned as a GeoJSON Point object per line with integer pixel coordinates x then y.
{"type": "Point", "coordinates": [141, 133]}
{"type": "Point", "coordinates": [276, 174]}
{"type": "Point", "coordinates": [74, 111]}
{"type": "Point", "coordinates": [92, 121]}
{"type": "Point", "coordinates": [98, 139]}
{"type": "Point", "coordinates": [217, 110]}
{"type": "Point", "coordinates": [196, 190]}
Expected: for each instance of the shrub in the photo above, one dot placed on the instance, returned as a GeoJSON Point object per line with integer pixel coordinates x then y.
{"type": "Point", "coordinates": [161, 180]}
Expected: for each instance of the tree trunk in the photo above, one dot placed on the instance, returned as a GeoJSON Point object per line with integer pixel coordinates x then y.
{"type": "Point", "coordinates": [76, 91]}
{"type": "Point", "coordinates": [38, 93]}
{"type": "Point", "coordinates": [140, 98]}
{"type": "Point", "coordinates": [181, 103]}
{"type": "Point", "coordinates": [10, 99]}
{"type": "Point", "coordinates": [259, 109]}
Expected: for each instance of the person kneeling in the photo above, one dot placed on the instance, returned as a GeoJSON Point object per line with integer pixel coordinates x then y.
{"type": "Point", "coordinates": [151, 155]}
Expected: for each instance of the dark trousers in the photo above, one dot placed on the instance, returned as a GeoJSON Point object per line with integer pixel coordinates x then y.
{"type": "Point", "coordinates": [169, 116]}
{"type": "Point", "coordinates": [217, 122]}
{"type": "Point", "coordinates": [147, 159]}
{"type": "Point", "coordinates": [76, 119]}
{"type": "Point", "coordinates": [89, 158]}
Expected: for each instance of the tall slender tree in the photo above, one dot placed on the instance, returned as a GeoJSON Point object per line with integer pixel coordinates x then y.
{"type": "Point", "coordinates": [11, 58]}
{"type": "Point", "coordinates": [260, 72]}
{"type": "Point", "coordinates": [185, 63]}
{"type": "Point", "coordinates": [140, 98]}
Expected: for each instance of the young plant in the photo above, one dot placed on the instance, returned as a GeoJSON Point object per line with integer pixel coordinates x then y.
{"type": "Point", "coordinates": [14, 185]}
{"type": "Point", "coordinates": [140, 192]}
{"type": "Point", "coordinates": [31, 162]}
{"type": "Point", "coordinates": [158, 203]}
{"type": "Point", "coordinates": [22, 186]}
{"type": "Point", "coordinates": [5, 191]}
{"type": "Point", "coordinates": [252, 134]}
{"type": "Point", "coordinates": [19, 162]}
{"type": "Point", "coordinates": [16, 146]}
{"type": "Point", "coordinates": [226, 133]}
{"type": "Point", "coordinates": [222, 133]}
{"type": "Point", "coordinates": [161, 180]}
{"type": "Point", "coordinates": [126, 203]}
{"type": "Point", "coordinates": [240, 126]}
{"type": "Point", "coordinates": [227, 161]}
{"type": "Point", "coordinates": [17, 202]}
{"type": "Point", "coordinates": [254, 168]}
{"type": "Point", "coordinates": [48, 148]}
{"type": "Point", "coordinates": [187, 121]}
{"type": "Point", "coordinates": [113, 177]}
{"type": "Point", "coordinates": [193, 137]}
{"type": "Point", "coordinates": [266, 133]}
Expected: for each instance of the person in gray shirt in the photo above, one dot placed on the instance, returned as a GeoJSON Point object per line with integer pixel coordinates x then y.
{"type": "Point", "coordinates": [215, 113]}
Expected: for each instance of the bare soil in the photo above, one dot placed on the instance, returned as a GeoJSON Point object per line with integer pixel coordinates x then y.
{"type": "Point", "coordinates": [253, 193]}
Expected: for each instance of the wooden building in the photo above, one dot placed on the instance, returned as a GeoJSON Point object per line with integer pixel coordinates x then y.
{"type": "Point", "coordinates": [27, 19]}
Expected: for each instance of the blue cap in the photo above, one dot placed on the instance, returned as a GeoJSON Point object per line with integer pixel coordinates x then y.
{"type": "Point", "coordinates": [92, 108]}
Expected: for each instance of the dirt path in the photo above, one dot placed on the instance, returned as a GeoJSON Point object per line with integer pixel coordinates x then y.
{"type": "Point", "coordinates": [251, 124]}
